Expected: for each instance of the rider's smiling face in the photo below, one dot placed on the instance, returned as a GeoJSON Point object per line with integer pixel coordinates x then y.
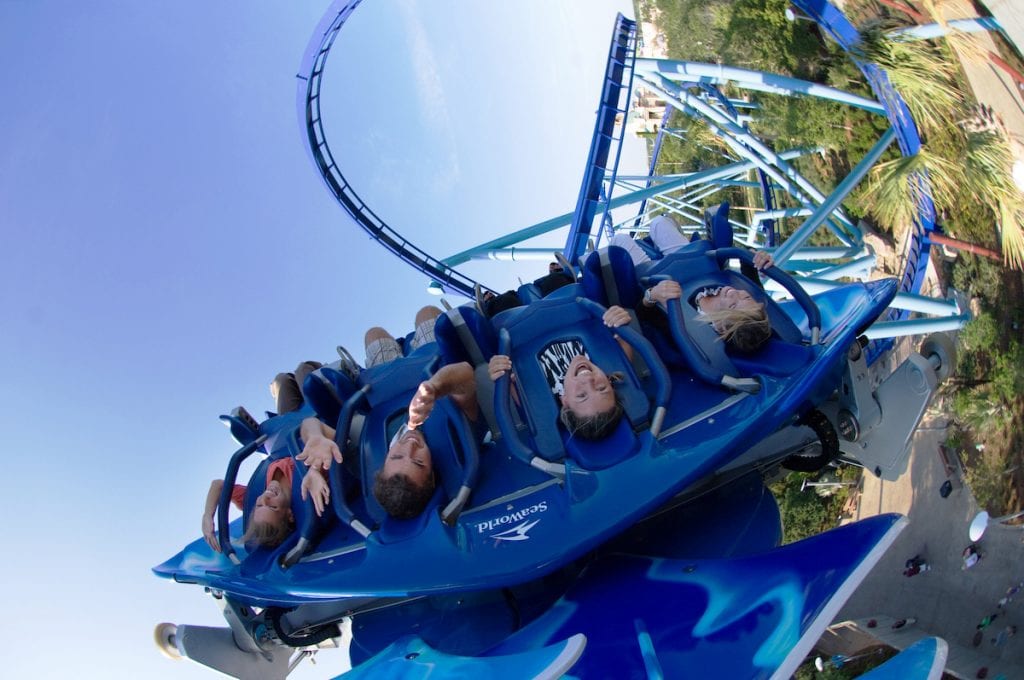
{"type": "Point", "coordinates": [273, 506]}
{"type": "Point", "coordinates": [728, 298]}
{"type": "Point", "coordinates": [587, 389]}
{"type": "Point", "coordinates": [410, 456]}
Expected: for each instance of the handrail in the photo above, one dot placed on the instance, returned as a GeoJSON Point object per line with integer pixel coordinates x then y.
{"type": "Point", "coordinates": [224, 503]}
{"type": "Point", "coordinates": [334, 475]}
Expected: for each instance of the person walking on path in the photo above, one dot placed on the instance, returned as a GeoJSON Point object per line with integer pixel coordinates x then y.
{"type": "Point", "coordinates": [903, 622]}
{"type": "Point", "coordinates": [971, 556]}
{"type": "Point", "coordinates": [1004, 635]}
{"type": "Point", "coordinates": [1008, 597]}
{"type": "Point", "coordinates": [915, 565]}
{"type": "Point", "coordinates": [987, 621]}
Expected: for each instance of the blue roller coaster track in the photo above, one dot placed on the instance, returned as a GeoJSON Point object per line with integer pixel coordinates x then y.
{"type": "Point", "coordinates": [597, 196]}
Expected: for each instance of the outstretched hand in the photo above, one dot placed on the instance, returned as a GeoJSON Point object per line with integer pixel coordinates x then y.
{"type": "Point", "coordinates": [498, 366]}
{"type": "Point", "coordinates": [314, 485]}
{"type": "Point", "coordinates": [422, 404]}
{"type": "Point", "coordinates": [615, 316]}
{"type": "Point", "coordinates": [763, 260]}
{"type": "Point", "coordinates": [318, 453]}
{"type": "Point", "coordinates": [209, 533]}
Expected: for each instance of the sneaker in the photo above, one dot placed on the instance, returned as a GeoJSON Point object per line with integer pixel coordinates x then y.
{"type": "Point", "coordinates": [243, 415]}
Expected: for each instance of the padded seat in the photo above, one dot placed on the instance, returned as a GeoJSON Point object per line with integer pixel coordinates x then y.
{"type": "Point", "coordinates": [392, 386]}
{"type": "Point", "coordinates": [447, 451]}
{"type": "Point", "coordinates": [325, 390]}
{"type": "Point", "coordinates": [531, 331]}
{"type": "Point", "coordinates": [696, 269]}
{"type": "Point", "coordinates": [285, 444]}
{"type": "Point", "coordinates": [601, 454]}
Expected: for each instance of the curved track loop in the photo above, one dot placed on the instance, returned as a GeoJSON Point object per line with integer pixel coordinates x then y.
{"type": "Point", "coordinates": [825, 14]}
{"type": "Point", "coordinates": [308, 103]}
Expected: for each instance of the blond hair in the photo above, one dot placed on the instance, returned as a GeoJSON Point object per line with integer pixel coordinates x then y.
{"type": "Point", "coordinates": [746, 330]}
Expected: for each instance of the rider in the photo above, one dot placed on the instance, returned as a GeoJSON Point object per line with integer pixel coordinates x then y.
{"type": "Point", "coordinates": [405, 483]}
{"type": "Point", "coordinates": [736, 316]}
{"type": "Point", "coordinates": [590, 406]}
{"type": "Point", "coordinates": [272, 518]}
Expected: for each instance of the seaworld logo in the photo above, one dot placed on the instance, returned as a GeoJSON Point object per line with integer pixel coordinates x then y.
{"type": "Point", "coordinates": [518, 532]}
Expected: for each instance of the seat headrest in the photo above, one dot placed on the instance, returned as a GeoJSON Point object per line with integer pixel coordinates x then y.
{"type": "Point", "coordinates": [529, 292]}
{"type": "Point", "coordinates": [325, 390]}
{"type": "Point", "coordinates": [598, 455]}
{"type": "Point", "coordinates": [403, 375]}
{"type": "Point", "coordinates": [776, 358]}
{"type": "Point", "coordinates": [465, 334]}
{"type": "Point", "coordinates": [609, 278]}
{"type": "Point", "coordinates": [573, 290]}
{"type": "Point", "coordinates": [719, 229]}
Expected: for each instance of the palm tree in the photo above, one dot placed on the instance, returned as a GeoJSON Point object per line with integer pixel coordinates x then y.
{"type": "Point", "coordinates": [963, 156]}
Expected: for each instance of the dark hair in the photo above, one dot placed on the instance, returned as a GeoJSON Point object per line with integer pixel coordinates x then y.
{"type": "Point", "coordinates": [399, 496]}
{"type": "Point", "coordinates": [744, 330]}
{"type": "Point", "coordinates": [597, 426]}
{"type": "Point", "coordinates": [267, 534]}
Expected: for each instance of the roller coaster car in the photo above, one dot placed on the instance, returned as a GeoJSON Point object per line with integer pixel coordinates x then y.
{"type": "Point", "coordinates": [516, 520]}
{"type": "Point", "coordinates": [852, 414]}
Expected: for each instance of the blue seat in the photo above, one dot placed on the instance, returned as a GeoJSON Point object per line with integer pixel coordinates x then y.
{"type": "Point", "coordinates": [719, 229]}
{"type": "Point", "coordinates": [598, 455]}
{"type": "Point", "coordinates": [325, 391]}
{"type": "Point", "coordinates": [455, 457]}
{"type": "Point", "coordinates": [529, 292]}
{"type": "Point", "coordinates": [279, 437]}
{"type": "Point", "coordinates": [609, 278]}
{"type": "Point", "coordinates": [465, 334]}
{"type": "Point", "coordinates": [536, 327]}
{"type": "Point", "coordinates": [700, 267]}
{"type": "Point", "coordinates": [387, 391]}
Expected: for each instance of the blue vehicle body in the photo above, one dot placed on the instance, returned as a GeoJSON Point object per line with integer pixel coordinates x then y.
{"type": "Point", "coordinates": [589, 505]}
{"type": "Point", "coordinates": [485, 581]}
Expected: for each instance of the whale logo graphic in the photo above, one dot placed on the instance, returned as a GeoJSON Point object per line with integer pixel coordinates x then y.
{"type": "Point", "coordinates": [516, 533]}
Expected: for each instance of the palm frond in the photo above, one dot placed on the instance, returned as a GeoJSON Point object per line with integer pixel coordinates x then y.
{"type": "Point", "coordinates": [896, 188]}
{"type": "Point", "coordinates": [889, 192]}
{"type": "Point", "coordinates": [988, 167]}
{"type": "Point", "coordinates": [1011, 232]}
{"type": "Point", "coordinates": [920, 73]}
{"type": "Point", "coordinates": [988, 163]}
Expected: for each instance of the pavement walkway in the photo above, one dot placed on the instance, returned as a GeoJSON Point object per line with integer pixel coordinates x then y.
{"type": "Point", "coordinates": [948, 601]}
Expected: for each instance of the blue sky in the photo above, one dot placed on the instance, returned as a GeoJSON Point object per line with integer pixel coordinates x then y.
{"type": "Point", "coordinates": [168, 248]}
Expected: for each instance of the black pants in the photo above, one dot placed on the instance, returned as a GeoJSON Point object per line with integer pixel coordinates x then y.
{"type": "Point", "coordinates": [509, 299]}
{"type": "Point", "coordinates": [289, 386]}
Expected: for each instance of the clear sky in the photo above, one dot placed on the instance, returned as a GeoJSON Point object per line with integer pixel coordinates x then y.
{"type": "Point", "coordinates": [168, 247]}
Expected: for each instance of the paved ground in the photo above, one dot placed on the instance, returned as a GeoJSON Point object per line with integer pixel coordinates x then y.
{"type": "Point", "coordinates": [947, 601]}
{"type": "Point", "coordinates": [992, 85]}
